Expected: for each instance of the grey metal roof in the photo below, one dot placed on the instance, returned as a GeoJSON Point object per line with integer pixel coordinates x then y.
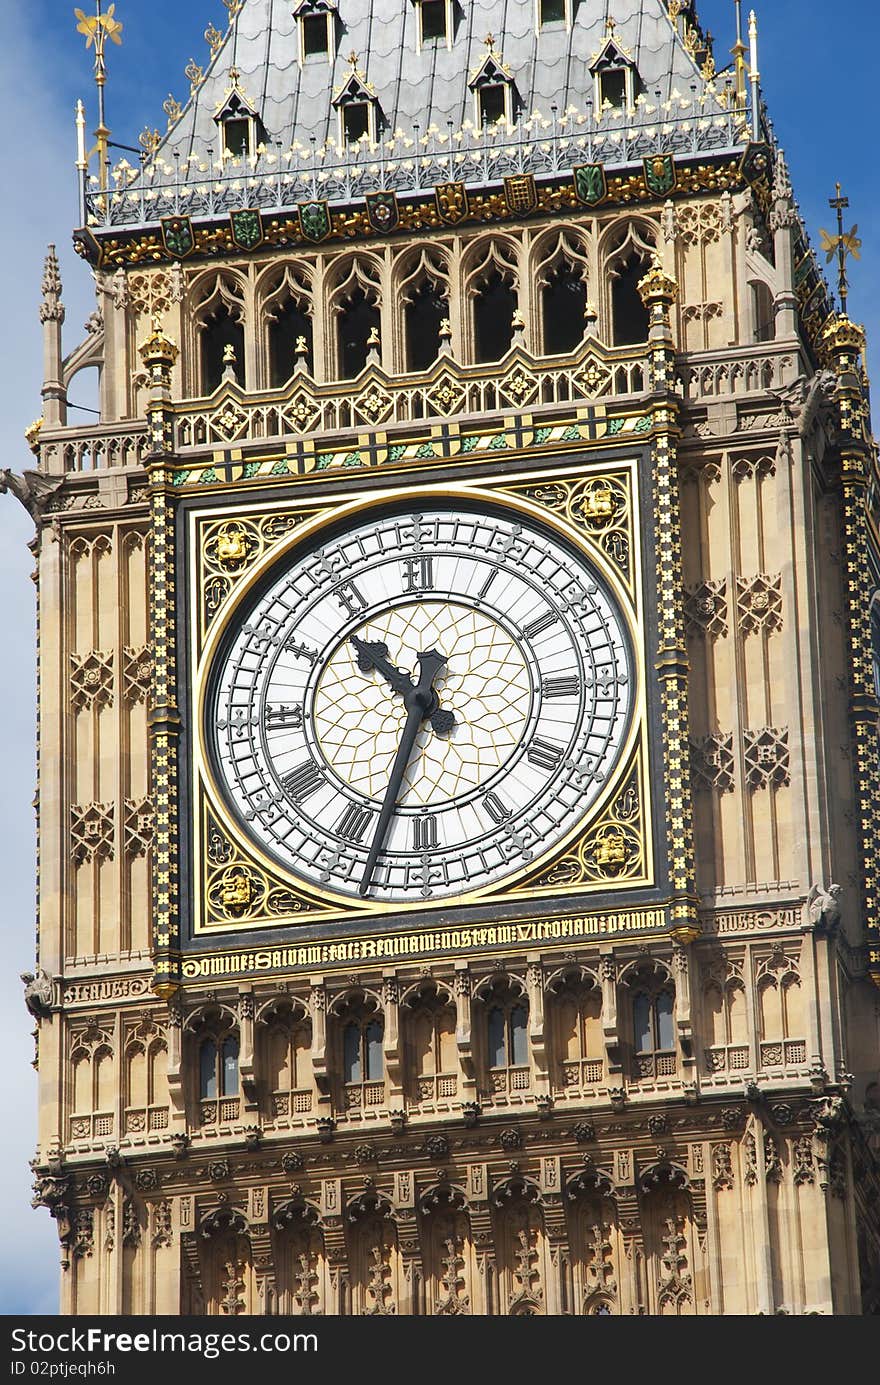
{"type": "Point", "coordinates": [549, 68]}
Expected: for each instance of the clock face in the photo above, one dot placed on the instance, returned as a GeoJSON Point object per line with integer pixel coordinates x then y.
{"type": "Point", "coordinates": [422, 705]}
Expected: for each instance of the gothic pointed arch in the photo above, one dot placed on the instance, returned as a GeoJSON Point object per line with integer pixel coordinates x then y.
{"type": "Point", "coordinates": [490, 280]}
{"type": "Point", "coordinates": [354, 302]}
{"type": "Point", "coordinates": [421, 293]}
{"type": "Point", "coordinates": [626, 254]}
{"type": "Point", "coordinates": [218, 330]}
{"type": "Point", "coordinates": [227, 1271]}
{"type": "Point", "coordinates": [284, 1043]}
{"type": "Point", "coordinates": [428, 1020]}
{"type": "Point", "coordinates": [559, 268]}
{"type": "Point", "coordinates": [284, 306]}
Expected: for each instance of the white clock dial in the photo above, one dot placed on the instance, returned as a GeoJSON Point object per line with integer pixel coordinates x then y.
{"type": "Point", "coordinates": [371, 772]}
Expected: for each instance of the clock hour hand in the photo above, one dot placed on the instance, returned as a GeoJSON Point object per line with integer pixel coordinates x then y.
{"type": "Point", "coordinates": [420, 702]}
{"type": "Point", "coordinates": [372, 654]}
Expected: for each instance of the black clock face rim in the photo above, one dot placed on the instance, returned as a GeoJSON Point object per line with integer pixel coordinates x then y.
{"type": "Point", "coordinates": [428, 881]}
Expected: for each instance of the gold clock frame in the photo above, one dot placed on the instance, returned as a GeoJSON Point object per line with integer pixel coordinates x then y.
{"type": "Point", "coordinates": [236, 886]}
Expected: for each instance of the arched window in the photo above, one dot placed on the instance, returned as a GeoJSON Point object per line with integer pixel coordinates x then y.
{"type": "Point", "coordinates": [358, 321]}
{"type": "Point", "coordinates": [208, 1086]}
{"type": "Point", "coordinates": [423, 314]}
{"type": "Point", "coordinates": [563, 305]}
{"type": "Point", "coordinates": [360, 1033]}
{"type": "Point", "coordinates": [652, 1022]}
{"type": "Point", "coordinates": [220, 332]}
{"type": "Point", "coordinates": [289, 327]}
{"type": "Point", "coordinates": [494, 307]}
{"type": "Point", "coordinates": [629, 316]}
{"type": "Point", "coordinates": [286, 1042]}
{"type": "Point", "coordinates": [362, 1057]}
{"type": "Point", "coordinates": [506, 1034]}
{"type": "Point", "coordinates": [218, 1068]}
{"type": "Point", "coordinates": [781, 1012]}
{"type": "Point", "coordinates": [431, 1051]}
{"type": "Point", "coordinates": [216, 1048]}
{"type": "Point", "coordinates": [577, 1026]}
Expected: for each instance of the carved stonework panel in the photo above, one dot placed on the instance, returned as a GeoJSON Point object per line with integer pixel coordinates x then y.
{"type": "Point", "coordinates": [138, 827]}
{"type": "Point", "coordinates": [137, 670]}
{"type": "Point", "coordinates": [613, 849]}
{"type": "Point", "coordinates": [759, 602]}
{"type": "Point", "coordinates": [91, 680]}
{"type": "Point", "coordinates": [699, 224]}
{"type": "Point", "coordinates": [91, 832]}
{"type": "Point", "coordinates": [600, 507]}
{"type": "Point", "coordinates": [705, 609]}
{"type": "Point", "coordinates": [712, 762]}
{"type": "Point", "coordinates": [767, 757]}
{"type": "Point", "coordinates": [752, 468]}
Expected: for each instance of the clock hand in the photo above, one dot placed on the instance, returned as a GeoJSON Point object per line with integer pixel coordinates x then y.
{"type": "Point", "coordinates": [420, 702]}
{"type": "Point", "coordinates": [371, 655]}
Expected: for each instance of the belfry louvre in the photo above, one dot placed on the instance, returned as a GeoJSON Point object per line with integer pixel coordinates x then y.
{"type": "Point", "coordinates": [459, 667]}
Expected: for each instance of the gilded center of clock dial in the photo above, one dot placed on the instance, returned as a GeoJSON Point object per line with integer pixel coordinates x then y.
{"type": "Point", "coordinates": [485, 683]}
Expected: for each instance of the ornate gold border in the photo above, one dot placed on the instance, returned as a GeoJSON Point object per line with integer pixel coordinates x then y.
{"type": "Point", "coordinates": [235, 885]}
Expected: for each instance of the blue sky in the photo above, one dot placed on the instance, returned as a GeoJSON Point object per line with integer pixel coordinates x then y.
{"type": "Point", "coordinates": [818, 70]}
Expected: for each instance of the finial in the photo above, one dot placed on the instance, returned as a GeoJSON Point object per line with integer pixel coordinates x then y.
{"type": "Point", "coordinates": [610, 26]}
{"type": "Point", "coordinates": [352, 60]}
{"type": "Point", "coordinates": [214, 39]}
{"type": "Point", "coordinates": [301, 347]}
{"type": "Point", "coordinates": [51, 308]}
{"type": "Point", "coordinates": [489, 41]}
{"type": "Point", "coordinates": [229, 354]}
{"type": "Point", "coordinates": [32, 436]}
{"type": "Point", "coordinates": [96, 29]}
{"type": "Point", "coordinates": [845, 243]}
{"type": "Point", "coordinates": [754, 74]}
{"type": "Point", "coordinates": [373, 338]}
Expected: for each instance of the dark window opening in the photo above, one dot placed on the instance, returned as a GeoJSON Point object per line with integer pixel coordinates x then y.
{"type": "Point", "coordinates": [422, 317]}
{"type": "Point", "coordinates": [612, 87]}
{"type": "Point", "coordinates": [362, 1057]}
{"type": "Point", "coordinates": [762, 303]}
{"type": "Point", "coordinates": [220, 330]}
{"type": "Point", "coordinates": [351, 1054]}
{"type": "Point", "coordinates": [356, 120]}
{"type": "Point", "coordinates": [563, 303]}
{"type": "Point", "coordinates": [551, 12]}
{"type": "Point", "coordinates": [494, 307]}
{"type": "Point", "coordinates": [355, 325]}
{"type": "Point", "coordinates": [433, 19]}
{"type": "Point", "coordinates": [492, 106]}
{"type": "Point", "coordinates": [237, 137]}
{"type": "Point", "coordinates": [507, 1036]}
{"type": "Point", "coordinates": [653, 1027]}
{"type": "Point", "coordinates": [285, 329]}
{"type": "Point", "coordinates": [208, 1070]}
{"type": "Point", "coordinates": [230, 1067]}
{"type": "Point", "coordinates": [628, 312]}
{"type": "Point", "coordinates": [315, 40]}
{"type": "Point", "coordinates": [373, 1054]}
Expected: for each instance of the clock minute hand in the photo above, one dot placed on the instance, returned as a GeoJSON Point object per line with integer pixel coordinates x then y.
{"type": "Point", "coordinates": [420, 700]}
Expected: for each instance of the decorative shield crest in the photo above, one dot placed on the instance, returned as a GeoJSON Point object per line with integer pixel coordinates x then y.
{"type": "Point", "coordinates": [247, 228]}
{"type": "Point", "coordinates": [659, 174]}
{"type": "Point", "coordinates": [382, 212]}
{"type": "Point", "coordinates": [520, 193]}
{"type": "Point", "coordinates": [756, 162]}
{"type": "Point", "coordinates": [314, 220]}
{"type": "Point", "coordinates": [177, 236]}
{"type": "Point", "coordinates": [452, 202]}
{"type": "Point", "coordinates": [590, 185]}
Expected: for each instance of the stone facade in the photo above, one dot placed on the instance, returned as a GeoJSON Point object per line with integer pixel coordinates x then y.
{"type": "Point", "coordinates": [691, 1125]}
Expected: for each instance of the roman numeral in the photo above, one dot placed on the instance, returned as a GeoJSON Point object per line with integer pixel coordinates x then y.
{"type": "Point", "coordinates": [544, 754]}
{"type": "Point", "coordinates": [487, 584]}
{"type": "Point", "coordinates": [353, 823]}
{"type": "Point", "coordinates": [498, 811]}
{"type": "Point", "coordinates": [302, 650]}
{"type": "Point", "coordinates": [283, 716]}
{"type": "Point", "coordinates": [302, 781]}
{"type": "Point", "coordinates": [350, 598]}
{"type": "Point", "coordinates": [424, 835]}
{"type": "Point", "coordinates": [418, 573]}
{"type": "Point", "coordinates": [538, 626]}
{"type": "Point", "coordinates": [561, 687]}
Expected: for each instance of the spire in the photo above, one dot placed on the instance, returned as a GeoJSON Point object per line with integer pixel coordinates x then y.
{"type": "Point", "coordinates": [52, 317]}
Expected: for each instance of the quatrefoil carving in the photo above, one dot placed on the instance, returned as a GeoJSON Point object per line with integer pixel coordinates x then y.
{"type": "Point", "coordinates": [91, 680]}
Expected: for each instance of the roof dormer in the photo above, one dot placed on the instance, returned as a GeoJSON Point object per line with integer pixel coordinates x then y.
{"type": "Point", "coordinates": [239, 121]}
{"type": "Point", "coordinates": [357, 106]}
{"type": "Point", "coordinates": [615, 77]}
{"type": "Point", "coordinates": [494, 88]}
{"type": "Point", "coordinates": [317, 25]}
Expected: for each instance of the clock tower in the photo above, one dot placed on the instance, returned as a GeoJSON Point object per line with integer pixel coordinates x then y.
{"type": "Point", "coordinates": [459, 646]}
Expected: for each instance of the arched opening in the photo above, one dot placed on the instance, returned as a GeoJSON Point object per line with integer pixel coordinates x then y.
{"type": "Point", "coordinates": [563, 304]}
{"type": "Point", "coordinates": [629, 316]}
{"type": "Point", "coordinates": [763, 311]}
{"type": "Point", "coordinates": [423, 314]}
{"type": "Point", "coordinates": [494, 307]}
{"type": "Point", "coordinates": [289, 327]}
{"type": "Point", "coordinates": [220, 329]}
{"type": "Point", "coordinates": [357, 321]}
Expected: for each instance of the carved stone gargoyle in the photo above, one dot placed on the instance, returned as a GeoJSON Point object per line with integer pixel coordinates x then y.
{"type": "Point", "coordinates": [33, 488]}
{"type": "Point", "coordinates": [823, 907]}
{"type": "Point", "coordinates": [38, 993]}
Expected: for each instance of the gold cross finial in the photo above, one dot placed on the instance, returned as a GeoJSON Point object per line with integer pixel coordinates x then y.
{"type": "Point", "coordinates": [353, 58]}
{"type": "Point", "coordinates": [489, 41]}
{"type": "Point", "coordinates": [844, 244]}
{"type": "Point", "coordinates": [610, 25]}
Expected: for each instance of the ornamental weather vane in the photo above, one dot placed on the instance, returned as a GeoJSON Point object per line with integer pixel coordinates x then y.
{"type": "Point", "coordinates": [96, 29]}
{"type": "Point", "coordinates": [843, 244]}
